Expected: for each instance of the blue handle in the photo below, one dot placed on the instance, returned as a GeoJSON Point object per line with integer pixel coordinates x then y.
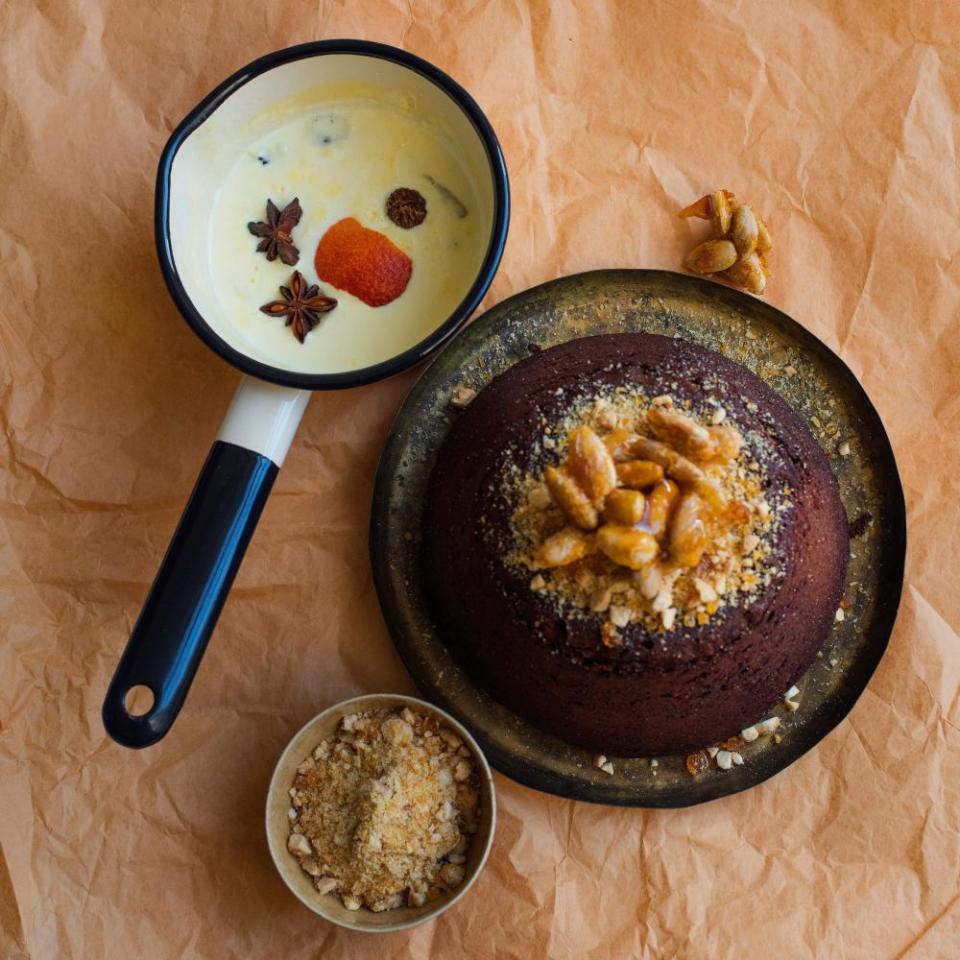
{"type": "Point", "coordinates": [181, 610]}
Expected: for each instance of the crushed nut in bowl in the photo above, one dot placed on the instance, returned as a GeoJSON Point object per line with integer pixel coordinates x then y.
{"type": "Point", "coordinates": [380, 813]}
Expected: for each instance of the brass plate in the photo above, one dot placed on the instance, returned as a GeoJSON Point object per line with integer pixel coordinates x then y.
{"type": "Point", "coordinates": [813, 380]}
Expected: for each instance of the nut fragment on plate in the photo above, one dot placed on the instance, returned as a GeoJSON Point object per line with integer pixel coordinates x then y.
{"type": "Point", "coordinates": [385, 810]}
{"type": "Point", "coordinates": [739, 242]}
{"type": "Point", "coordinates": [462, 396]}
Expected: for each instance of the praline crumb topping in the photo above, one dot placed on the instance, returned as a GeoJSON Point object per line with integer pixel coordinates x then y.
{"type": "Point", "coordinates": [647, 511]}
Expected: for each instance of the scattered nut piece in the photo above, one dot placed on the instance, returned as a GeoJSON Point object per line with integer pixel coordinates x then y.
{"type": "Point", "coordinates": [540, 497]}
{"type": "Point", "coordinates": [750, 734]}
{"type": "Point", "coordinates": [619, 616]}
{"type": "Point", "coordinates": [600, 601]}
{"type": "Point", "coordinates": [325, 884]}
{"type": "Point", "coordinates": [736, 757]}
{"type": "Point", "coordinates": [704, 590]}
{"type": "Point", "coordinates": [769, 725]}
{"type": "Point", "coordinates": [397, 731]}
{"type": "Point", "coordinates": [649, 578]}
{"type": "Point", "coordinates": [610, 635]}
{"type": "Point", "coordinates": [452, 874]}
{"type": "Point", "coordinates": [750, 543]}
{"type": "Point", "coordinates": [537, 582]}
{"type": "Point", "coordinates": [462, 397]}
{"type": "Point", "coordinates": [697, 763]}
{"type": "Point", "coordinates": [724, 759]}
{"type": "Point", "coordinates": [844, 449]}
{"type": "Point", "coordinates": [839, 616]}
{"type": "Point", "coordinates": [299, 845]}
{"type": "Point", "coordinates": [718, 416]}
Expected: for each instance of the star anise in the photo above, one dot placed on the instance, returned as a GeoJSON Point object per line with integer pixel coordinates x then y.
{"type": "Point", "coordinates": [275, 231]}
{"type": "Point", "coordinates": [302, 305]}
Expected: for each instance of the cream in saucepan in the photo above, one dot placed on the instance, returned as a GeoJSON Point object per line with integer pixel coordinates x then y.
{"type": "Point", "coordinates": [343, 158]}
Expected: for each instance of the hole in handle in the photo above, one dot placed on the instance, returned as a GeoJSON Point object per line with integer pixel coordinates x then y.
{"type": "Point", "coordinates": [139, 700]}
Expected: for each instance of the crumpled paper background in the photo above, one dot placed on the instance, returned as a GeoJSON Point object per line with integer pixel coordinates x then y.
{"type": "Point", "coordinates": [837, 121]}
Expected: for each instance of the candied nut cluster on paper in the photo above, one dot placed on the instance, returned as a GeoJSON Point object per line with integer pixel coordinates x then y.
{"type": "Point", "coordinates": [383, 812]}
{"type": "Point", "coordinates": [739, 242]}
{"type": "Point", "coordinates": [654, 514]}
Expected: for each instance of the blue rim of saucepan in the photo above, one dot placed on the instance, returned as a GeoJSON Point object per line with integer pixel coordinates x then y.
{"type": "Point", "coordinates": [416, 353]}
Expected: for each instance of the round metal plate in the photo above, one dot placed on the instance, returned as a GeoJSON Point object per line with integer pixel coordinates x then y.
{"type": "Point", "coordinates": [813, 380]}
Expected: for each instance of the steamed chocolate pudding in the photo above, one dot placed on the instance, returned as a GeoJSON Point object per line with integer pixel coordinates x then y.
{"type": "Point", "coordinates": [634, 543]}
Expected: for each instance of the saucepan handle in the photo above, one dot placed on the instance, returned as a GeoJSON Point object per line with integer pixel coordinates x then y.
{"type": "Point", "coordinates": [188, 593]}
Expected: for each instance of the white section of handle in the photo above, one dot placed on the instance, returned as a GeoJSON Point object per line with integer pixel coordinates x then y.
{"type": "Point", "coordinates": [264, 417]}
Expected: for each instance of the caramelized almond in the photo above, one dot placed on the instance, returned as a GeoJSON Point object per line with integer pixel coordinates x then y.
{"type": "Point", "coordinates": [639, 474]}
{"type": "Point", "coordinates": [590, 464]}
{"type": "Point", "coordinates": [744, 231]}
{"type": "Point", "coordinates": [747, 273]}
{"type": "Point", "coordinates": [689, 536]}
{"type": "Point", "coordinates": [699, 208]}
{"type": "Point", "coordinates": [703, 208]}
{"type": "Point", "coordinates": [624, 506]}
{"type": "Point", "coordinates": [576, 505]}
{"type": "Point", "coordinates": [721, 211]}
{"type": "Point", "coordinates": [565, 546]}
{"type": "Point", "coordinates": [661, 501]}
{"type": "Point", "coordinates": [682, 433]}
{"type": "Point", "coordinates": [619, 444]}
{"type": "Point", "coordinates": [626, 546]}
{"type": "Point", "coordinates": [764, 240]}
{"type": "Point", "coordinates": [711, 256]}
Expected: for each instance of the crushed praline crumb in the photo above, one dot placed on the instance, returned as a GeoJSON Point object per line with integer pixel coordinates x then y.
{"type": "Point", "coordinates": [383, 811]}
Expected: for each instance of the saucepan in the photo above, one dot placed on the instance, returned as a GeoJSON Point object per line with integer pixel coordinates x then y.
{"type": "Point", "coordinates": [188, 593]}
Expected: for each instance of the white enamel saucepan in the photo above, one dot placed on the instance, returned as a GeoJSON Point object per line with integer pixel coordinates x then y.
{"type": "Point", "coordinates": [183, 604]}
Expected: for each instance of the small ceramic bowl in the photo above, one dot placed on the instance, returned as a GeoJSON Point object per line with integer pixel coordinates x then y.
{"type": "Point", "coordinates": [329, 906]}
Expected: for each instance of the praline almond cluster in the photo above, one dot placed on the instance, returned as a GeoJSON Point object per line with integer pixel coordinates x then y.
{"type": "Point", "coordinates": [739, 242]}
